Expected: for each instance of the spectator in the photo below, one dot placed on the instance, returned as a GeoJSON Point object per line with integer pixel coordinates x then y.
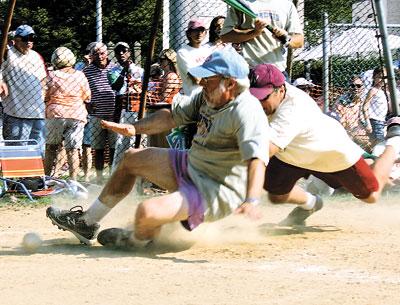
{"type": "Point", "coordinates": [102, 105]}
{"type": "Point", "coordinates": [123, 75]}
{"type": "Point", "coordinates": [191, 55]}
{"type": "Point", "coordinates": [215, 42]}
{"type": "Point", "coordinates": [68, 91]}
{"type": "Point", "coordinates": [349, 107]}
{"type": "Point", "coordinates": [23, 81]}
{"type": "Point", "coordinates": [303, 84]}
{"type": "Point", "coordinates": [87, 59]}
{"type": "Point", "coordinates": [259, 45]}
{"type": "Point", "coordinates": [124, 72]}
{"type": "Point", "coordinates": [170, 82]}
{"type": "Point", "coordinates": [376, 106]}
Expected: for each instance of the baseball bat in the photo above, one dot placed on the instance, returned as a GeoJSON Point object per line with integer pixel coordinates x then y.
{"type": "Point", "coordinates": [245, 9]}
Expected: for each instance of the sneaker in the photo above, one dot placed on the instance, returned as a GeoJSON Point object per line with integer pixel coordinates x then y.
{"type": "Point", "coordinates": [116, 237]}
{"type": "Point", "coordinates": [298, 216]}
{"type": "Point", "coordinates": [71, 220]}
{"type": "Point", "coordinates": [393, 127]}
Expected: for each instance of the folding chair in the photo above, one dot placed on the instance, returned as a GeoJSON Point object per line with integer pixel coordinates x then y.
{"type": "Point", "coordinates": [21, 169]}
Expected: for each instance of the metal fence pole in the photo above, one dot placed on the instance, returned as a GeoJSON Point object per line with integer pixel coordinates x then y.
{"type": "Point", "coordinates": [137, 53]}
{"type": "Point", "coordinates": [99, 22]}
{"type": "Point", "coordinates": [325, 56]}
{"type": "Point", "coordinates": [387, 56]}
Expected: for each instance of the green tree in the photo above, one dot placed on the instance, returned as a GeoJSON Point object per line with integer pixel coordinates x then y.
{"type": "Point", "coordinates": [73, 23]}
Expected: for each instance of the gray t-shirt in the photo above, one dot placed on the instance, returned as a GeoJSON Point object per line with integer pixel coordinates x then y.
{"type": "Point", "coordinates": [226, 139]}
{"type": "Point", "coordinates": [265, 48]}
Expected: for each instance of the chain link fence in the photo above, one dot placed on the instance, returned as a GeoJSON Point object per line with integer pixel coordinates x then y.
{"type": "Point", "coordinates": [342, 48]}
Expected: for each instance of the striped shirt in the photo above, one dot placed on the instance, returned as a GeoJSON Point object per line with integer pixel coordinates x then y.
{"type": "Point", "coordinates": [103, 96]}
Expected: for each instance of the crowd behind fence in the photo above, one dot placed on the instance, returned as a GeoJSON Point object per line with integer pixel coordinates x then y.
{"type": "Point", "coordinates": [348, 33]}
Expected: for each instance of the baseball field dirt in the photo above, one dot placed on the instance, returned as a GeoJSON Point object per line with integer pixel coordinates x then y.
{"type": "Point", "coordinates": [349, 253]}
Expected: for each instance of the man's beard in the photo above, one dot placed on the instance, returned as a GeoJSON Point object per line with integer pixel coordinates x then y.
{"type": "Point", "coordinates": [213, 99]}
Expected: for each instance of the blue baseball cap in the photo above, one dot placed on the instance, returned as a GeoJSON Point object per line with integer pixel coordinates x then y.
{"type": "Point", "coordinates": [24, 30]}
{"type": "Point", "coordinates": [226, 62]}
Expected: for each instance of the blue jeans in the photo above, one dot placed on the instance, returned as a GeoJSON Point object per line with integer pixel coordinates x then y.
{"type": "Point", "coordinates": [24, 129]}
{"type": "Point", "coordinates": [378, 130]}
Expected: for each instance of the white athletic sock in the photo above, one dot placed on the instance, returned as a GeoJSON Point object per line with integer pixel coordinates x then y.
{"type": "Point", "coordinates": [138, 242]}
{"type": "Point", "coordinates": [310, 203]}
{"type": "Point", "coordinates": [96, 212]}
{"type": "Point", "coordinates": [395, 143]}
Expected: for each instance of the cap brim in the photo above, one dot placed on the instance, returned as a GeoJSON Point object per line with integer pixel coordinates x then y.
{"type": "Point", "coordinates": [261, 93]}
{"type": "Point", "coordinates": [201, 72]}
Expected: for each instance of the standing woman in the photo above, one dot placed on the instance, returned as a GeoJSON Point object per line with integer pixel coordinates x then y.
{"type": "Point", "coordinates": [170, 82]}
{"type": "Point", "coordinates": [215, 41]}
{"type": "Point", "coordinates": [68, 91]}
{"type": "Point", "coordinates": [376, 106]}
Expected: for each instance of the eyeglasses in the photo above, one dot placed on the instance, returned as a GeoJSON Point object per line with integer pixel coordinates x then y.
{"type": "Point", "coordinates": [162, 58]}
{"type": "Point", "coordinates": [356, 85]}
{"type": "Point", "coordinates": [31, 37]}
{"type": "Point", "coordinates": [205, 80]}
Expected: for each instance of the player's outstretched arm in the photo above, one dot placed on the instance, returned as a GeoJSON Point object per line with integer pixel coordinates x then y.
{"type": "Point", "coordinates": [155, 123]}
{"type": "Point", "coordinates": [126, 130]}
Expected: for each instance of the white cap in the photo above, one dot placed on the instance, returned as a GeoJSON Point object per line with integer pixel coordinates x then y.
{"type": "Point", "coordinates": [302, 82]}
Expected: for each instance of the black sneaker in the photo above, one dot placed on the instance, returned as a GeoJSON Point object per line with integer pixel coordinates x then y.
{"type": "Point", "coordinates": [298, 216]}
{"type": "Point", "coordinates": [116, 237]}
{"type": "Point", "coordinates": [70, 220]}
{"type": "Point", "coordinates": [393, 127]}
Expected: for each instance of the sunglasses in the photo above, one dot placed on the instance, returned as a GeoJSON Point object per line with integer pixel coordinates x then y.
{"type": "Point", "coordinates": [121, 50]}
{"type": "Point", "coordinates": [31, 38]}
{"type": "Point", "coordinates": [356, 85]}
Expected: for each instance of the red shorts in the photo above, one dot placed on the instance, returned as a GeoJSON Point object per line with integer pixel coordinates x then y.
{"type": "Point", "coordinates": [358, 179]}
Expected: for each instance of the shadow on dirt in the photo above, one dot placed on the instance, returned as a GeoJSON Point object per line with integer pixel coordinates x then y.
{"type": "Point", "coordinates": [65, 246]}
{"type": "Point", "coordinates": [276, 230]}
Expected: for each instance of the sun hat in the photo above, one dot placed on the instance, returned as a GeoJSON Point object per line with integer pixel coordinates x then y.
{"type": "Point", "coordinates": [63, 57]}
{"type": "Point", "coordinates": [301, 81]}
{"type": "Point", "coordinates": [226, 62]}
{"type": "Point", "coordinates": [264, 78]}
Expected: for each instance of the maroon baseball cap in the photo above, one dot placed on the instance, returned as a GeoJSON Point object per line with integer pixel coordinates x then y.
{"type": "Point", "coordinates": [264, 78]}
{"type": "Point", "coordinates": [195, 24]}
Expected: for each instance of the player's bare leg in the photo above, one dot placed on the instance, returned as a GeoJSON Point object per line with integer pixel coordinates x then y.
{"type": "Point", "coordinates": [155, 212]}
{"type": "Point", "coordinates": [383, 165]}
{"type": "Point", "coordinates": [307, 205]}
{"type": "Point", "coordinates": [150, 163]}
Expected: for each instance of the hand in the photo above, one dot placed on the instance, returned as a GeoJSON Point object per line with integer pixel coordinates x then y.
{"type": "Point", "coordinates": [259, 26]}
{"type": "Point", "coordinates": [3, 89]}
{"type": "Point", "coordinates": [278, 32]}
{"type": "Point", "coordinates": [126, 130]}
{"type": "Point", "coordinates": [249, 210]}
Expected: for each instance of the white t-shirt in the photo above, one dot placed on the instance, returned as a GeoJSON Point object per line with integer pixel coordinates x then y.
{"type": "Point", "coordinates": [308, 138]}
{"type": "Point", "coordinates": [378, 107]}
{"type": "Point", "coordinates": [265, 48]}
{"type": "Point", "coordinates": [25, 76]}
{"type": "Point", "coordinates": [189, 57]}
